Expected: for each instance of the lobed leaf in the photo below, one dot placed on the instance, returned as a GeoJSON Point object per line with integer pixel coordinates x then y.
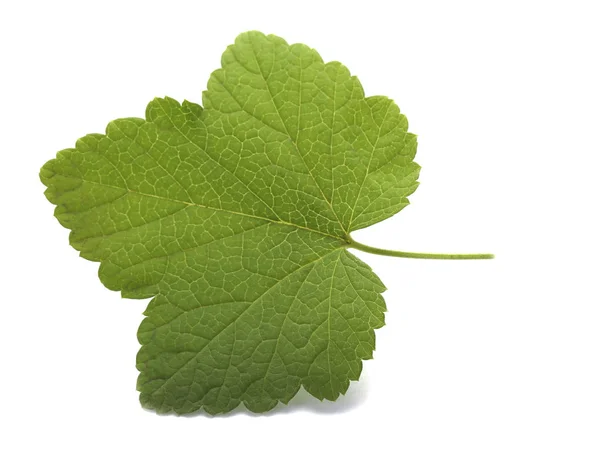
{"type": "Point", "coordinates": [236, 218]}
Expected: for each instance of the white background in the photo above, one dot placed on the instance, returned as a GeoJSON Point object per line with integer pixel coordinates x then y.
{"type": "Point", "coordinates": [505, 99]}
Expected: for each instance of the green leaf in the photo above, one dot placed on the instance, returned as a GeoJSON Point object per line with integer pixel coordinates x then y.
{"type": "Point", "coordinates": [236, 218]}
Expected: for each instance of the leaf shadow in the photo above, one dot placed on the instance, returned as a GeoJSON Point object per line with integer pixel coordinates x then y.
{"type": "Point", "coordinates": [301, 402]}
{"type": "Point", "coordinates": [305, 402]}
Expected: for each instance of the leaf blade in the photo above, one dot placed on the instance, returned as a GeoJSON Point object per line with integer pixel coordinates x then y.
{"type": "Point", "coordinates": [235, 219]}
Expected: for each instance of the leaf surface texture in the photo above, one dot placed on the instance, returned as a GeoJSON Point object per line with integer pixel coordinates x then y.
{"type": "Point", "coordinates": [234, 217]}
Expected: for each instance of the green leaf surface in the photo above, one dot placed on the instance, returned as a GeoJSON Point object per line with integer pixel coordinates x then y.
{"type": "Point", "coordinates": [236, 219]}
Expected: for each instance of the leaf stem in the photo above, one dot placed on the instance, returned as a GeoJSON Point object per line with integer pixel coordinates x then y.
{"type": "Point", "coordinates": [386, 252]}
